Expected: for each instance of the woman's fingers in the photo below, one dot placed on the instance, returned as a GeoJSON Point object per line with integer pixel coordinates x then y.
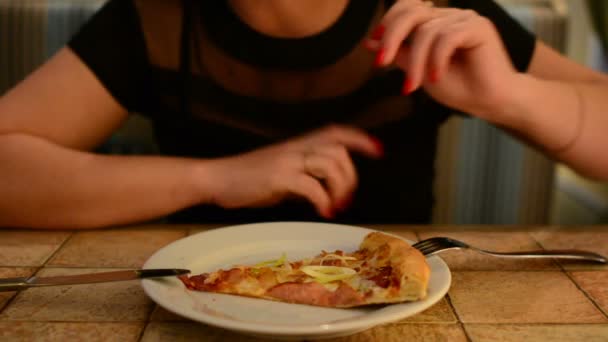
{"type": "Point", "coordinates": [353, 139]}
{"type": "Point", "coordinates": [398, 29]}
{"type": "Point", "coordinates": [418, 54]}
{"type": "Point", "coordinates": [328, 171]}
{"type": "Point", "coordinates": [309, 188]}
{"type": "Point", "coordinates": [397, 8]}
{"type": "Point", "coordinates": [459, 35]}
{"type": "Point", "coordinates": [316, 166]}
{"type": "Point", "coordinates": [443, 50]}
{"type": "Point", "coordinates": [330, 159]}
{"type": "Point", "coordinates": [347, 167]}
{"type": "Point", "coordinates": [333, 166]}
{"type": "Point", "coordinates": [419, 66]}
{"type": "Point", "coordinates": [422, 39]}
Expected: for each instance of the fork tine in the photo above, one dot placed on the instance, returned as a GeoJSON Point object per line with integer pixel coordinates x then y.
{"type": "Point", "coordinates": [434, 245]}
{"type": "Point", "coordinates": [429, 247]}
{"type": "Point", "coordinates": [427, 251]}
{"type": "Point", "coordinates": [424, 242]}
{"type": "Point", "coordinates": [429, 243]}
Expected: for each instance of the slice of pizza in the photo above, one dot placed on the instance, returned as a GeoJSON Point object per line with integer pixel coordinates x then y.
{"type": "Point", "coordinates": [384, 269]}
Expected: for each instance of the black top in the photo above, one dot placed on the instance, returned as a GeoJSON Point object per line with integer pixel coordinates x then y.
{"type": "Point", "coordinates": [220, 88]}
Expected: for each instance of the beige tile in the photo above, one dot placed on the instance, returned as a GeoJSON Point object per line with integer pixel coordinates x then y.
{"type": "Point", "coordinates": [157, 331]}
{"type": "Point", "coordinates": [160, 314]}
{"type": "Point", "coordinates": [190, 331]}
{"type": "Point", "coordinates": [12, 273]}
{"type": "Point", "coordinates": [407, 232]}
{"type": "Point", "coordinates": [408, 332]}
{"type": "Point", "coordinates": [104, 302]}
{"type": "Point", "coordinates": [475, 228]}
{"type": "Point", "coordinates": [520, 297]}
{"type": "Point", "coordinates": [596, 285]}
{"type": "Point", "coordinates": [61, 331]}
{"type": "Point", "coordinates": [28, 248]}
{"type": "Point", "coordinates": [466, 260]}
{"type": "Point", "coordinates": [537, 333]}
{"type": "Point", "coordinates": [593, 241]}
{"type": "Point", "coordinates": [438, 313]}
{"type": "Point", "coordinates": [114, 248]}
{"type": "Point", "coordinates": [195, 229]}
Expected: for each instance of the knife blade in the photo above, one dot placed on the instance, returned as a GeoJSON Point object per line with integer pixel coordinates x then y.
{"type": "Point", "coordinates": [16, 284]}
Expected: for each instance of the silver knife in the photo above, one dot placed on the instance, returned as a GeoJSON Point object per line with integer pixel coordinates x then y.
{"type": "Point", "coordinates": [16, 284]}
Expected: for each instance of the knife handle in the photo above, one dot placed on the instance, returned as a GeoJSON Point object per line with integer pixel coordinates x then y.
{"type": "Point", "coordinates": [13, 284]}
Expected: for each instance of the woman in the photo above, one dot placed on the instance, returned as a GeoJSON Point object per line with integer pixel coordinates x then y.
{"type": "Point", "coordinates": [274, 110]}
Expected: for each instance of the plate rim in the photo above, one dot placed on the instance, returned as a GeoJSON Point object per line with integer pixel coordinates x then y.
{"type": "Point", "coordinates": [299, 330]}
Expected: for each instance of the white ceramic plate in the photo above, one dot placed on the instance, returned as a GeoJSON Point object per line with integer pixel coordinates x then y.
{"type": "Point", "coordinates": [246, 244]}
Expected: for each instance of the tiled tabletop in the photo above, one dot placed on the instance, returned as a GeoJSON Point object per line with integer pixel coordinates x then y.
{"type": "Point", "coordinates": [490, 299]}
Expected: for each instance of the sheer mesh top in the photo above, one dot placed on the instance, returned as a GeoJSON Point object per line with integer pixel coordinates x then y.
{"type": "Point", "coordinates": [213, 86]}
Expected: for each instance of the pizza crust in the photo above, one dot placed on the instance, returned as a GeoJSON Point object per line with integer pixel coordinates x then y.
{"type": "Point", "coordinates": [408, 265]}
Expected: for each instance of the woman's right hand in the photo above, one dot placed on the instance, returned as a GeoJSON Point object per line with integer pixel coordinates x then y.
{"type": "Point", "coordinates": [315, 166]}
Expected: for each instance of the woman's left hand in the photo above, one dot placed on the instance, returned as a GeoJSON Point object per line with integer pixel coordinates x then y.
{"type": "Point", "coordinates": [456, 55]}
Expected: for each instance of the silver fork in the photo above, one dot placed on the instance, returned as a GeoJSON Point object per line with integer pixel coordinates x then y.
{"type": "Point", "coordinates": [436, 245]}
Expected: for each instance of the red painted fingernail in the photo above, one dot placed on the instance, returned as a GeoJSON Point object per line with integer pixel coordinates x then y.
{"type": "Point", "coordinates": [434, 76]}
{"type": "Point", "coordinates": [379, 145]}
{"type": "Point", "coordinates": [379, 57]}
{"type": "Point", "coordinates": [366, 44]}
{"type": "Point", "coordinates": [407, 87]}
{"type": "Point", "coordinates": [345, 204]}
{"type": "Point", "coordinates": [378, 32]}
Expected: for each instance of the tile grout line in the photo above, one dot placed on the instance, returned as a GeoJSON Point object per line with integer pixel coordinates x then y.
{"type": "Point", "coordinates": [459, 321]}
{"type": "Point", "coordinates": [557, 263]}
{"type": "Point", "coordinates": [90, 267]}
{"type": "Point", "coordinates": [45, 261]}
{"type": "Point", "coordinates": [69, 238]}
{"type": "Point", "coordinates": [148, 319]}
{"type": "Point", "coordinates": [591, 299]}
{"type": "Point", "coordinates": [540, 245]}
{"type": "Point", "coordinates": [8, 302]}
{"type": "Point", "coordinates": [143, 330]}
{"type": "Point", "coordinates": [37, 269]}
{"type": "Point", "coordinates": [569, 276]}
{"type": "Point", "coordinates": [539, 324]}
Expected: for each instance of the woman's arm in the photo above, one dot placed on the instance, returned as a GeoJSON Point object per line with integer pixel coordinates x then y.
{"type": "Point", "coordinates": [46, 185]}
{"type": "Point", "coordinates": [563, 107]}
{"type": "Point", "coordinates": [460, 60]}
{"type": "Point", "coordinates": [48, 179]}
